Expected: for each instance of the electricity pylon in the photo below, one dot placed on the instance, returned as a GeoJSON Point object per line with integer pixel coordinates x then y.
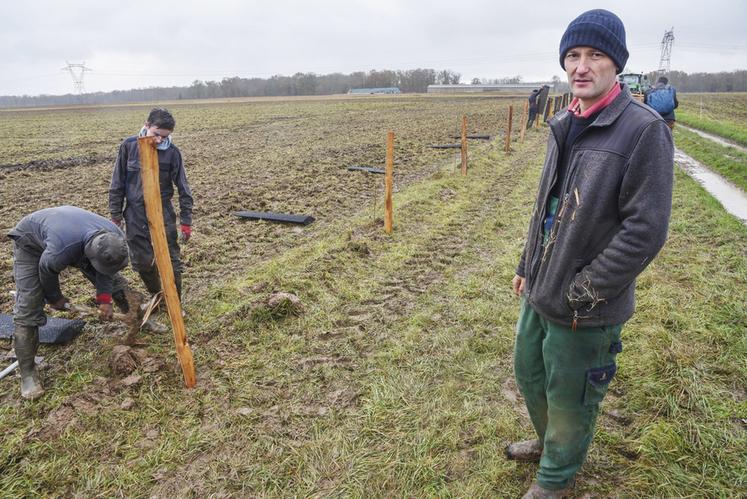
{"type": "Point", "coordinates": [77, 71]}
{"type": "Point", "coordinates": [666, 51]}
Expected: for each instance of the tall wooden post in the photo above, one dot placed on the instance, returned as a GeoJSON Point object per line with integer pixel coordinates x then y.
{"type": "Point", "coordinates": [154, 212]}
{"type": "Point", "coordinates": [524, 118]}
{"type": "Point", "coordinates": [389, 184]}
{"type": "Point", "coordinates": [508, 128]}
{"type": "Point", "coordinates": [464, 145]}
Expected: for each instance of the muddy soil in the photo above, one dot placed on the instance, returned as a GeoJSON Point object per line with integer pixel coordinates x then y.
{"type": "Point", "coordinates": [283, 156]}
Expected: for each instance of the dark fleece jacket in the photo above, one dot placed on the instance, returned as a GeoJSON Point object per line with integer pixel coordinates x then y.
{"type": "Point", "coordinates": [612, 220]}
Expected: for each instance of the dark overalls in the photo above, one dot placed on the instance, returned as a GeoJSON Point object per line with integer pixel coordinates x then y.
{"type": "Point", "coordinates": [126, 200]}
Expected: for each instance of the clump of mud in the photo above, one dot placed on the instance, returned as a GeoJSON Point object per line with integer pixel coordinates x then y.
{"type": "Point", "coordinates": [282, 304]}
{"type": "Point", "coordinates": [123, 360]}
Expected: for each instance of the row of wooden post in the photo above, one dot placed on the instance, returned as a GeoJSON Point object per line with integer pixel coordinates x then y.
{"type": "Point", "coordinates": [149, 174]}
{"type": "Point", "coordinates": [557, 102]}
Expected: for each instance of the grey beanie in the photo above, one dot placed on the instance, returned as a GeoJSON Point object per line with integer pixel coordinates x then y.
{"type": "Point", "coordinates": [600, 29]}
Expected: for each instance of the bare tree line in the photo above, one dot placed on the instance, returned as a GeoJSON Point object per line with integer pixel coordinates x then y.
{"type": "Point", "coordinates": [411, 80]}
{"type": "Point", "coordinates": [732, 81]}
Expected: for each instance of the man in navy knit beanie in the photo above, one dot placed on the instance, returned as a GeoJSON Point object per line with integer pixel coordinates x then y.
{"type": "Point", "coordinates": [600, 218]}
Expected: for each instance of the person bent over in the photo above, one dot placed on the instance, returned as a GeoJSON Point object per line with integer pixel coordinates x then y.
{"type": "Point", "coordinates": [600, 217]}
{"type": "Point", "coordinates": [126, 199]}
{"type": "Point", "coordinates": [44, 244]}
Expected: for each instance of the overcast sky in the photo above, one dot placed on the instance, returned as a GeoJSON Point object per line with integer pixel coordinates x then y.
{"type": "Point", "coordinates": [158, 43]}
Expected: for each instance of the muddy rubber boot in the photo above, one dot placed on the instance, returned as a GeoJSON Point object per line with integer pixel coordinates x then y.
{"type": "Point", "coordinates": [536, 491]}
{"type": "Point", "coordinates": [151, 280]}
{"type": "Point", "coordinates": [528, 450]}
{"type": "Point", "coordinates": [26, 339]}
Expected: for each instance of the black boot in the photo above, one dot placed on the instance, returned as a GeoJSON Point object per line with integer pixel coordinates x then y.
{"type": "Point", "coordinates": [120, 300]}
{"type": "Point", "coordinates": [151, 280]}
{"type": "Point", "coordinates": [26, 340]}
{"type": "Point", "coordinates": [178, 282]}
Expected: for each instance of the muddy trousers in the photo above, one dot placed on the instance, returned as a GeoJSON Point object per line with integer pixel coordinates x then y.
{"type": "Point", "coordinates": [143, 259]}
{"type": "Point", "coordinates": [563, 376]}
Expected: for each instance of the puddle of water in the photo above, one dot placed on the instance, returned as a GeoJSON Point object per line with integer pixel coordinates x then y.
{"type": "Point", "coordinates": [715, 138]}
{"type": "Point", "coordinates": [731, 197]}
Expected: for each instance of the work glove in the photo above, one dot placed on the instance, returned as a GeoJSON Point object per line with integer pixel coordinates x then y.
{"type": "Point", "coordinates": [186, 232]}
{"type": "Point", "coordinates": [61, 304]}
{"type": "Point", "coordinates": [106, 312]}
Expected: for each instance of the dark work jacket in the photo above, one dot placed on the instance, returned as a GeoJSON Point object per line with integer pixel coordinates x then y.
{"type": "Point", "coordinates": [126, 189]}
{"type": "Point", "coordinates": [612, 218]}
{"type": "Point", "coordinates": [58, 236]}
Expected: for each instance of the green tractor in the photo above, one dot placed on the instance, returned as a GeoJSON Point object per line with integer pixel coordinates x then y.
{"type": "Point", "coordinates": [637, 83]}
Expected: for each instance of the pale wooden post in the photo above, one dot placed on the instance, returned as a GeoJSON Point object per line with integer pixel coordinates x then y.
{"type": "Point", "coordinates": [508, 128]}
{"type": "Point", "coordinates": [389, 184]}
{"type": "Point", "coordinates": [154, 212]}
{"type": "Point", "coordinates": [524, 118]}
{"type": "Point", "coordinates": [551, 103]}
{"type": "Point", "coordinates": [464, 145]}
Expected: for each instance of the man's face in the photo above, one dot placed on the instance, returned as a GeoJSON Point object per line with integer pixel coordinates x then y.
{"type": "Point", "coordinates": [159, 133]}
{"type": "Point", "coordinates": [591, 73]}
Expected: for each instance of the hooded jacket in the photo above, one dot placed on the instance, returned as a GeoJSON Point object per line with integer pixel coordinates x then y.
{"type": "Point", "coordinates": [612, 219]}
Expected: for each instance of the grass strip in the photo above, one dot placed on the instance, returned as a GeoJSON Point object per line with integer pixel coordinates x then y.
{"type": "Point", "coordinates": [727, 161]}
{"type": "Point", "coordinates": [723, 128]}
{"type": "Point", "coordinates": [395, 379]}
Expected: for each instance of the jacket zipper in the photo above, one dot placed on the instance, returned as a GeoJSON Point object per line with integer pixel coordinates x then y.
{"type": "Point", "coordinates": [543, 213]}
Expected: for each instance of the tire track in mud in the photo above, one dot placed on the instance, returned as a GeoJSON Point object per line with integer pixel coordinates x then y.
{"type": "Point", "coordinates": [396, 296]}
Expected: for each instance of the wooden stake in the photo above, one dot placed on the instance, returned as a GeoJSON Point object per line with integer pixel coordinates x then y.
{"type": "Point", "coordinates": [154, 212]}
{"type": "Point", "coordinates": [464, 145]}
{"type": "Point", "coordinates": [508, 128]}
{"type": "Point", "coordinates": [524, 118]}
{"type": "Point", "coordinates": [389, 184]}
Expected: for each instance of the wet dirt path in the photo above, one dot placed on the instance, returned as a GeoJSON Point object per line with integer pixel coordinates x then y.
{"type": "Point", "coordinates": [731, 197]}
{"type": "Point", "coordinates": [715, 138]}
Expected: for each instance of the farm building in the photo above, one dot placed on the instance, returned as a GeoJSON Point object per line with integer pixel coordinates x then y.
{"type": "Point", "coordinates": [368, 91]}
{"type": "Point", "coordinates": [467, 88]}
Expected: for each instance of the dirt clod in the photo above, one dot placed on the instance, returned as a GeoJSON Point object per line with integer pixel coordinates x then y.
{"type": "Point", "coordinates": [123, 360]}
{"type": "Point", "coordinates": [282, 303]}
{"type": "Point", "coordinates": [131, 380]}
{"type": "Point", "coordinates": [127, 404]}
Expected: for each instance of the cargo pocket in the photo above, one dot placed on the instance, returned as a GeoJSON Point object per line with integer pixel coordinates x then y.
{"type": "Point", "coordinates": [597, 381]}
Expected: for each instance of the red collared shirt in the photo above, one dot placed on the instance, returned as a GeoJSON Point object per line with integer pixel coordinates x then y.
{"type": "Point", "coordinates": [575, 106]}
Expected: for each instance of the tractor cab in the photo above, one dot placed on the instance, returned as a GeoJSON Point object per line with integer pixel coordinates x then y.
{"type": "Point", "coordinates": [637, 83]}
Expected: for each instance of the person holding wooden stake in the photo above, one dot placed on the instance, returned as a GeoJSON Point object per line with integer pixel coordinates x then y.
{"type": "Point", "coordinates": [44, 244]}
{"type": "Point", "coordinates": [601, 216]}
{"type": "Point", "coordinates": [126, 199]}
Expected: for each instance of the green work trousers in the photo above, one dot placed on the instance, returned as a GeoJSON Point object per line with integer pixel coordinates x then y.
{"type": "Point", "coordinates": [563, 376]}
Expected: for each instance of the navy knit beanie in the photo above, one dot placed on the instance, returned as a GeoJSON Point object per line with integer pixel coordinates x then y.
{"type": "Point", "coordinates": [600, 29]}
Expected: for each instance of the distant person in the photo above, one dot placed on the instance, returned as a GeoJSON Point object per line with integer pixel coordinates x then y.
{"type": "Point", "coordinates": [600, 217]}
{"type": "Point", "coordinates": [44, 244]}
{"type": "Point", "coordinates": [663, 98]}
{"type": "Point", "coordinates": [533, 106]}
{"type": "Point", "coordinates": [542, 100]}
{"type": "Point", "coordinates": [126, 199]}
